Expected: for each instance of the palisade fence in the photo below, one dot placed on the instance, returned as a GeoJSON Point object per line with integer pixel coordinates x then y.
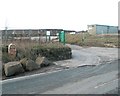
{"type": "Point", "coordinates": [30, 36]}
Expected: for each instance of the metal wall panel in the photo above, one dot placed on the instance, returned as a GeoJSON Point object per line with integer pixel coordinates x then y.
{"type": "Point", "coordinates": [113, 29]}
{"type": "Point", "coordinates": [103, 29]}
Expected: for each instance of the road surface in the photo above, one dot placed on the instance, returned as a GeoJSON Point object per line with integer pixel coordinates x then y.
{"type": "Point", "coordinates": [82, 80]}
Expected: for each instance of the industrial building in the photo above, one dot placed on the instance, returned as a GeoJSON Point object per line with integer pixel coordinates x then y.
{"type": "Point", "coordinates": [27, 32]}
{"type": "Point", "coordinates": [102, 29]}
{"type": "Point", "coordinates": [12, 34]}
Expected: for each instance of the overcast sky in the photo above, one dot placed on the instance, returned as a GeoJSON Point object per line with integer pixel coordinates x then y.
{"type": "Point", "coordinates": [63, 14]}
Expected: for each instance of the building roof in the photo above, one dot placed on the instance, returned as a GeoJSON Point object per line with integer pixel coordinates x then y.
{"type": "Point", "coordinates": [32, 29]}
{"type": "Point", "coordinates": [102, 25]}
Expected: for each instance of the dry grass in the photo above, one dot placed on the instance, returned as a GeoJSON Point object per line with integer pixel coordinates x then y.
{"type": "Point", "coordinates": [92, 40]}
{"type": "Point", "coordinates": [26, 49]}
{"type": "Point", "coordinates": [27, 44]}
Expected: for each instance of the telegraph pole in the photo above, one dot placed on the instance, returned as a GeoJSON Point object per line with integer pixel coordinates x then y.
{"type": "Point", "coordinates": [5, 35]}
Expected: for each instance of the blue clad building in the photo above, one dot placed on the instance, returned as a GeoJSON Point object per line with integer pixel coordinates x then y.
{"type": "Point", "coordinates": [102, 29]}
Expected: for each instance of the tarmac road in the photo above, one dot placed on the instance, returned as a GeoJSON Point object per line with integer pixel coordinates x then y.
{"type": "Point", "coordinates": [99, 79]}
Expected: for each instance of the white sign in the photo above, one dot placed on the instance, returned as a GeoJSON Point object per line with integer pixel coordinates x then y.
{"type": "Point", "coordinates": [48, 33]}
{"type": "Point", "coordinates": [72, 32]}
{"type": "Point", "coordinates": [57, 34]}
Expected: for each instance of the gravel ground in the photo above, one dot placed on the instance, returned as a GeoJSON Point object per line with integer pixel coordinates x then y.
{"type": "Point", "coordinates": [83, 56]}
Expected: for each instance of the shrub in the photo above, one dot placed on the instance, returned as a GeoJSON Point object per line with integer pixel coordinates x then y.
{"type": "Point", "coordinates": [53, 51]}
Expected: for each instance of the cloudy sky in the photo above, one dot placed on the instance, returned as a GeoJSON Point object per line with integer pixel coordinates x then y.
{"type": "Point", "coordinates": [63, 14]}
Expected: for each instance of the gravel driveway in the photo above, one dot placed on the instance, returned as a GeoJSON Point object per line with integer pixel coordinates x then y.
{"type": "Point", "coordinates": [82, 56]}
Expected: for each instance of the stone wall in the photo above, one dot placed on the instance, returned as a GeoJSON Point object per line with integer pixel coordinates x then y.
{"type": "Point", "coordinates": [53, 54]}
